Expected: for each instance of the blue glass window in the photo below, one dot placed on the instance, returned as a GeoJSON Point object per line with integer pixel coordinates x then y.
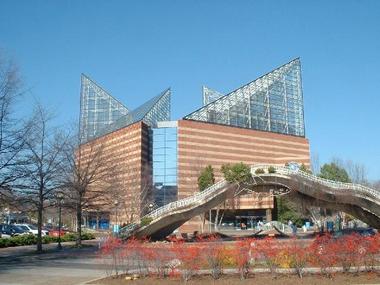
{"type": "Point", "coordinates": [165, 165]}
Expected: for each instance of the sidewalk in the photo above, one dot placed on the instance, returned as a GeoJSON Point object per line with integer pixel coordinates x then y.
{"type": "Point", "coordinates": [69, 266]}
{"type": "Point", "coordinates": [47, 248]}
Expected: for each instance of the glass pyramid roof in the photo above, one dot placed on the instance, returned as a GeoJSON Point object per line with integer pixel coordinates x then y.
{"type": "Point", "coordinates": [155, 110]}
{"type": "Point", "coordinates": [100, 113]}
{"type": "Point", "coordinates": [210, 95]}
{"type": "Point", "coordinates": [273, 102]}
{"type": "Point", "coordinates": [97, 108]}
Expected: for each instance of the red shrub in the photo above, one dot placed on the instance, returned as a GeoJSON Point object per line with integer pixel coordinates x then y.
{"type": "Point", "coordinates": [158, 259]}
{"type": "Point", "coordinates": [299, 255]}
{"type": "Point", "coordinates": [324, 253]}
{"type": "Point", "coordinates": [242, 255]}
{"type": "Point", "coordinates": [267, 250]}
{"type": "Point", "coordinates": [350, 250]}
{"type": "Point", "coordinates": [371, 249]}
{"type": "Point", "coordinates": [189, 257]}
{"type": "Point", "coordinates": [111, 252]}
{"type": "Point", "coordinates": [215, 254]}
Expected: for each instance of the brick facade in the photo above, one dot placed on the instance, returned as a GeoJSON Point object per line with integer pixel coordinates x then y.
{"type": "Point", "coordinates": [201, 144]}
{"type": "Point", "coordinates": [127, 152]}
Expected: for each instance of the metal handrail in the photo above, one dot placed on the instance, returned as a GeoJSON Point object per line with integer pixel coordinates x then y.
{"type": "Point", "coordinates": [204, 195]}
{"type": "Point", "coordinates": [213, 190]}
{"type": "Point", "coordinates": [284, 170]}
{"type": "Point", "coordinates": [168, 208]}
{"type": "Point", "coordinates": [276, 224]}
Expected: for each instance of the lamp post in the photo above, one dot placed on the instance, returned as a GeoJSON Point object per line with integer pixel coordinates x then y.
{"type": "Point", "coordinates": [59, 198]}
{"type": "Point", "coordinates": [116, 203]}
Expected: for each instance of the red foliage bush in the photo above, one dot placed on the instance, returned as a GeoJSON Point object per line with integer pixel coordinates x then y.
{"type": "Point", "coordinates": [215, 253]}
{"type": "Point", "coordinates": [111, 249]}
{"type": "Point", "coordinates": [299, 255]}
{"type": "Point", "coordinates": [370, 250]}
{"type": "Point", "coordinates": [187, 259]}
{"type": "Point", "coordinates": [324, 253]}
{"type": "Point", "coordinates": [267, 250]}
{"type": "Point", "coordinates": [242, 255]}
{"type": "Point", "coordinates": [350, 250]}
{"type": "Point", "coordinates": [190, 258]}
{"type": "Point", "coordinates": [158, 259]}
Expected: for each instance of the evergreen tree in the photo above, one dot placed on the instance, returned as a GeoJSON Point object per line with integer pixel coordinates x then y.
{"type": "Point", "coordinates": [206, 178]}
{"type": "Point", "coordinates": [332, 171]}
{"type": "Point", "coordinates": [238, 172]}
{"type": "Point", "coordinates": [286, 210]}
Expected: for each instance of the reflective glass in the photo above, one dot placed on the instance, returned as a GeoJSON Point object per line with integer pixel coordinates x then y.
{"type": "Point", "coordinates": [101, 114]}
{"type": "Point", "coordinates": [273, 102]}
{"type": "Point", "coordinates": [164, 148]}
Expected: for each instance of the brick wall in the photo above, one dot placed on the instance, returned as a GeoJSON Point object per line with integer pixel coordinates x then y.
{"type": "Point", "coordinates": [126, 152]}
{"type": "Point", "coordinates": [201, 144]}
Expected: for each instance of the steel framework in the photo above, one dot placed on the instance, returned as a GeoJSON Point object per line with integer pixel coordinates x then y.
{"type": "Point", "coordinates": [273, 102]}
{"type": "Point", "coordinates": [210, 95]}
{"type": "Point", "coordinates": [97, 109]}
{"type": "Point", "coordinates": [155, 110]}
{"type": "Point", "coordinates": [100, 113]}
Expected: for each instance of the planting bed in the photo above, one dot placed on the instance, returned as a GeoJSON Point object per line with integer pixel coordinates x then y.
{"type": "Point", "coordinates": [269, 259]}
{"type": "Point", "coordinates": [258, 279]}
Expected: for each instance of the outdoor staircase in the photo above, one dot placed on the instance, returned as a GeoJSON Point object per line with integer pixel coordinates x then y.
{"type": "Point", "coordinates": [357, 200]}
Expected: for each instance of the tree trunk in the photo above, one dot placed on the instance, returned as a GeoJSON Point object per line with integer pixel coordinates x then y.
{"type": "Point", "coordinates": [79, 225]}
{"type": "Point", "coordinates": [216, 219]}
{"type": "Point", "coordinates": [203, 220]}
{"type": "Point", "coordinates": [221, 217]}
{"type": "Point", "coordinates": [39, 223]}
{"type": "Point", "coordinates": [209, 220]}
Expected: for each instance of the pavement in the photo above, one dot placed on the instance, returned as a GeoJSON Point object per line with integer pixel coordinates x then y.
{"type": "Point", "coordinates": [69, 266]}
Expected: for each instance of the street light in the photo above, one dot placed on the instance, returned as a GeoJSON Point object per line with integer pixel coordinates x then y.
{"type": "Point", "coordinates": [116, 203]}
{"type": "Point", "coordinates": [59, 198]}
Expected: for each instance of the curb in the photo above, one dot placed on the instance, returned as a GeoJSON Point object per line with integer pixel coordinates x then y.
{"type": "Point", "coordinates": [232, 271]}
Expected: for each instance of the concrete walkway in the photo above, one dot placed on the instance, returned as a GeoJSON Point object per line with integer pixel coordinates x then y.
{"type": "Point", "coordinates": [71, 266]}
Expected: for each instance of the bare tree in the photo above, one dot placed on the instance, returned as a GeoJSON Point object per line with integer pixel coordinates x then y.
{"type": "Point", "coordinates": [314, 163]}
{"type": "Point", "coordinates": [376, 185]}
{"type": "Point", "coordinates": [42, 166]}
{"type": "Point", "coordinates": [86, 179]}
{"type": "Point", "coordinates": [356, 171]}
{"type": "Point", "coordinates": [133, 195]}
{"type": "Point", "coordinates": [196, 169]}
{"type": "Point", "coordinates": [12, 133]}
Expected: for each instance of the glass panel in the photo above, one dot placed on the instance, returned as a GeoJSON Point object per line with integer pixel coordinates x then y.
{"type": "Point", "coordinates": [272, 103]}
{"type": "Point", "coordinates": [165, 164]}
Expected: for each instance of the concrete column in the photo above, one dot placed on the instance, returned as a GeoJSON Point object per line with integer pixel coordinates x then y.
{"type": "Point", "coordinates": [85, 220]}
{"type": "Point", "coordinates": [268, 213]}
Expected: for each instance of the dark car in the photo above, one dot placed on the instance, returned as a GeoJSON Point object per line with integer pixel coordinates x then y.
{"type": "Point", "coordinates": [12, 230]}
{"type": "Point", "coordinates": [365, 232]}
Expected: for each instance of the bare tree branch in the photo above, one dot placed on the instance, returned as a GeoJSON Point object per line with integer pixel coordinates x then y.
{"type": "Point", "coordinates": [41, 167]}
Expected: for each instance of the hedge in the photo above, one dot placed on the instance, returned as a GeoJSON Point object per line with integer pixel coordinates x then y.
{"type": "Point", "coordinates": [32, 239]}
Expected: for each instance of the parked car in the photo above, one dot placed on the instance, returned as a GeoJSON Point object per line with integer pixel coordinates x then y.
{"type": "Point", "coordinates": [360, 231]}
{"type": "Point", "coordinates": [3, 234]}
{"type": "Point", "coordinates": [12, 230]}
{"type": "Point", "coordinates": [55, 232]}
{"type": "Point", "coordinates": [32, 229]}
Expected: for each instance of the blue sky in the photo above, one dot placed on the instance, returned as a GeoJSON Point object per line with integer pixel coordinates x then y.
{"type": "Point", "coordinates": [135, 49]}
